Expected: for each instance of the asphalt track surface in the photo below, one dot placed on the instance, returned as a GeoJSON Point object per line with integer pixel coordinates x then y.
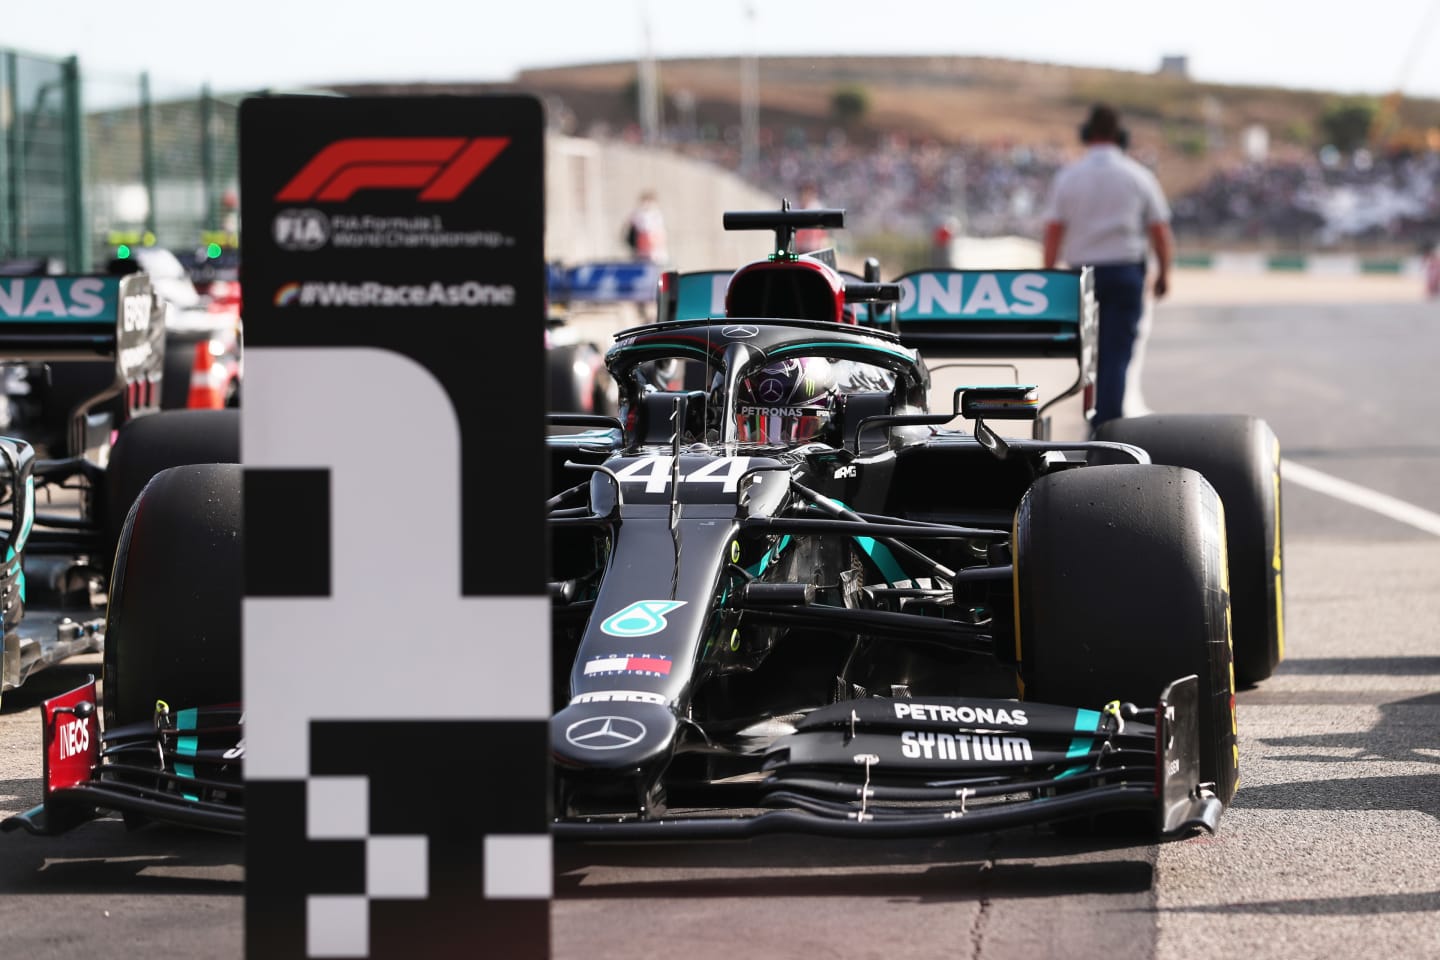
{"type": "Point", "coordinates": [1329, 850]}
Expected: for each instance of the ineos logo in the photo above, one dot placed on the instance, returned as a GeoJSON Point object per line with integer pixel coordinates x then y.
{"type": "Point", "coordinates": [605, 733]}
{"type": "Point", "coordinates": [301, 229]}
{"type": "Point", "coordinates": [772, 390]}
{"type": "Point", "coordinates": [739, 331]}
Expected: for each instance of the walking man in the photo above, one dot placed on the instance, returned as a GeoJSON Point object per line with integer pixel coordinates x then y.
{"type": "Point", "coordinates": [1105, 211]}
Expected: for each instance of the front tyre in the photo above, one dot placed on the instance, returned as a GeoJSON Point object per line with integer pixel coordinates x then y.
{"type": "Point", "coordinates": [172, 627]}
{"type": "Point", "coordinates": [1120, 589]}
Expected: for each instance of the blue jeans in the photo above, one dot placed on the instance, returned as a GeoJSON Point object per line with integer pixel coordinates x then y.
{"type": "Point", "coordinates": [1120, 290]}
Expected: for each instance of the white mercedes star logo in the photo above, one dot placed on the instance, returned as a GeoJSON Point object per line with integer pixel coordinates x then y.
{"type": "Point", "coordinates": [772, 390]}
{"type": "Point", "coordinates": [605, 733]}
{"type": "Point", "coordinates": [739, 331]}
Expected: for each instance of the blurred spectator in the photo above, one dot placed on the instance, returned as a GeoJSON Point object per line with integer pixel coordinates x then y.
{"type": "Point", "coordinates": [810, 239]}
{"type": "Point", "coordinates": [942, 241]}
{"type": "Point", "coordinates": [645, 231]}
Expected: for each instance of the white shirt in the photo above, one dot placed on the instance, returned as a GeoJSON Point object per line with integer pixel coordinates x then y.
{"type": "Point", "coordinates": [1106, 202]}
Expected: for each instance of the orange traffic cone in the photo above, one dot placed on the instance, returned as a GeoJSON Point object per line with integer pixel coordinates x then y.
{"type": "Point", "coordinates": [207, 380]}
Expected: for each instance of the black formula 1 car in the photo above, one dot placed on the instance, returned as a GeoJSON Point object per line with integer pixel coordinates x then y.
{"type": "Point", "coordinates": [791, 598]}
{"type": "Point", "coordinates": [794, 600]}
{"type": "Point", "coordinates": [89, 443]}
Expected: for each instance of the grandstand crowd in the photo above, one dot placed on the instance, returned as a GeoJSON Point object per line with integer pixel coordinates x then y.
{"type": "Point", "coordinates": [898, 186]}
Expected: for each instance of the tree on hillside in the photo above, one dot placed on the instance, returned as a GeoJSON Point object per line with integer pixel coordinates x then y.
{"type": "Point", "coordinates": [631, 93]}
{"type": "Point", "coordinates": [848, 105]}
{"type": "Point", "coordinates": [1346, 123]}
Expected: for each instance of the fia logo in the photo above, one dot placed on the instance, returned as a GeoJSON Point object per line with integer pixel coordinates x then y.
{"type": "Point", "coordinates": [301, 230]}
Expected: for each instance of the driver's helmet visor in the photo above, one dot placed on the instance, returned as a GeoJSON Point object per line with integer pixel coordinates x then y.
{"type": "Point", "coordinates": [779, 425]}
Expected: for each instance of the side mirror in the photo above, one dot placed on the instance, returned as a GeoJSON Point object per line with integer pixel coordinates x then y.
{"type": "Point", "coordinates": [998, 403]}
{"type": "Point", "coordinates": [667, 296]}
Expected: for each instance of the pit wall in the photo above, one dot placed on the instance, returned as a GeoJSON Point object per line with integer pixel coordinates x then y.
{"type": "Point", "coordinates": [592, 186]}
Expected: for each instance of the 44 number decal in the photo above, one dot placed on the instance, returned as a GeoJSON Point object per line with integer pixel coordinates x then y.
{"type": "Point", "coordinates": [655, 472]}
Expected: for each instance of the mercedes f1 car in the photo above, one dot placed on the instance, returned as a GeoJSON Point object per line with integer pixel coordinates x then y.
{"type": "Point", "coordinates": [89, 441]}
{"type": "Point", "coordinates": [792, 598]}
{"type": "Point", "coordinates": [579, 382]}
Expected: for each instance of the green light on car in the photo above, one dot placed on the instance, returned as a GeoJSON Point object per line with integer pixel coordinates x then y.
{"type": "Point", "coordinates": [122, 252]}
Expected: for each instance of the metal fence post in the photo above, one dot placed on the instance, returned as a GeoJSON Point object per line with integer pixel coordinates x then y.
{"type": "Point", "coordinates": [147, 151]}
{"type": "Point", "coordinates": [77, 251]}
{"type": "Point", "coordinates": [207, 159]}
{"type": "Point", "coordinates": [15, 155]}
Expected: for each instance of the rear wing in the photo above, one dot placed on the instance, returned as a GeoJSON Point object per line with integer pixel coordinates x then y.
{"type": "Point", "coordinates": [994, 313]}
{"type": "Point", "coordinates": [94, 321]}
{"type": "Point", "coordinates": [611, 282]}
{"type": "Point", "coordinates": [698, 295]}
{"type": "Point", "coordinates": [81, 318]}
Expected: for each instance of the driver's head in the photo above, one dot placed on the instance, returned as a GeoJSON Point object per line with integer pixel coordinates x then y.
{"type": "Point", "coordinates": [787, 402]}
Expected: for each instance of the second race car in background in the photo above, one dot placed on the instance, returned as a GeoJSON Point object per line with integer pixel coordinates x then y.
{"type": "Point", "coordinates": [203, 332]}
{"type": "Point", "coordinates": [583, 300]}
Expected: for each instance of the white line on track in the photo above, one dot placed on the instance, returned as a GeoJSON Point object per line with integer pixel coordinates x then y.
{"type": "Point", "coordinates": [1373, 500]}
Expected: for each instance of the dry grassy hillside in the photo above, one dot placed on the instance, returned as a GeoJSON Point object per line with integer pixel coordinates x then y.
{"type": "Point", "coordinates": [1188, 128]}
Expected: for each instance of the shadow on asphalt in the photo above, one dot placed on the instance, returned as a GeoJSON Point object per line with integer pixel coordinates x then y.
{"type": "Point", "coordinates": [1362, 906]}
{"type": "Point", "coordinates": [927, 870]}
{"type": "Point", "coordinates": [1388, 740]}
{"type": "Point", "coordinates": [947, 882]}
{"type": "Point", "coordinates": [105, 857]}
{"type": "Point", "coordinates": [1374, 666]}
{"type": "Point", "coordinates": [1420, 793]}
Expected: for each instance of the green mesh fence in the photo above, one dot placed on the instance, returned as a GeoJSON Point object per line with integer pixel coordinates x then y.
{"type": "Point", "coordinates": [41, 204]}
{"type": "Point", "coordinates": [161, 165]}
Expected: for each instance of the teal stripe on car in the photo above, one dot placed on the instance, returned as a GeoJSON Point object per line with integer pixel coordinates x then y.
{"type": "Point", "coordinates": [1086, 721]}
{"type": "Point", "coordinates": [187, 746]}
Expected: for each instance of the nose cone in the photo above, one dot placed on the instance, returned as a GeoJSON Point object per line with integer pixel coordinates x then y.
{"type": "Point", "coordinates": [612, 736]}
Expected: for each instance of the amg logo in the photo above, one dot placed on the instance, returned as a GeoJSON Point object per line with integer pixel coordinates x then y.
{"type": "Point", "coordinates": [945, 746]}
{"type": "Point", "coordinates": [971, 716]}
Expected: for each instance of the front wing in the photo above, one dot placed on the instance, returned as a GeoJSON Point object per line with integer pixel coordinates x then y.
{"type": "Point", "coordinates": [829, 778]}
{"type": "Point", "coordinates": [835, 776]}
{"type": "Point", "coordinates": [183, 768]}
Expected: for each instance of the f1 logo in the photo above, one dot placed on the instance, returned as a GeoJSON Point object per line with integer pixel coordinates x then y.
{"type": "Point", "coordinates": [440, 167]}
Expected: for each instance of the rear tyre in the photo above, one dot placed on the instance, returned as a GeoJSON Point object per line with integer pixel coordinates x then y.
{"type": "Point", "coordinates": [1240, 456]}
{"type": "Point", "coordinates": [1120, 590]}
{"type": "Point", "coordinates": [172, 627]}
{"type": "Point", "coordinates": [156, 442]}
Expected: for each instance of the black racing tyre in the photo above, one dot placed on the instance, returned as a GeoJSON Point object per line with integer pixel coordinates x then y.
{"type": "Point", "coordinates": [1120, 589]}
{"type": "Point", "coordinates": [172, 627]}
{"type": "Point", "coordinates": [1240, 456]}
{"type": "Point", "coordinates": [575, 370]}
{"type": "Point", "coordinates": [147, 445]}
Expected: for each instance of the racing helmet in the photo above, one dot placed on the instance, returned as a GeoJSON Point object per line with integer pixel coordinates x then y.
{"type": "Point", "coordinates": [787, 402]}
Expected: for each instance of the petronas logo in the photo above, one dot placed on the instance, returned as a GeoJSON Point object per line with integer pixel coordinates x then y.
{"type": "Point", "coordinates": [641, 619]}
